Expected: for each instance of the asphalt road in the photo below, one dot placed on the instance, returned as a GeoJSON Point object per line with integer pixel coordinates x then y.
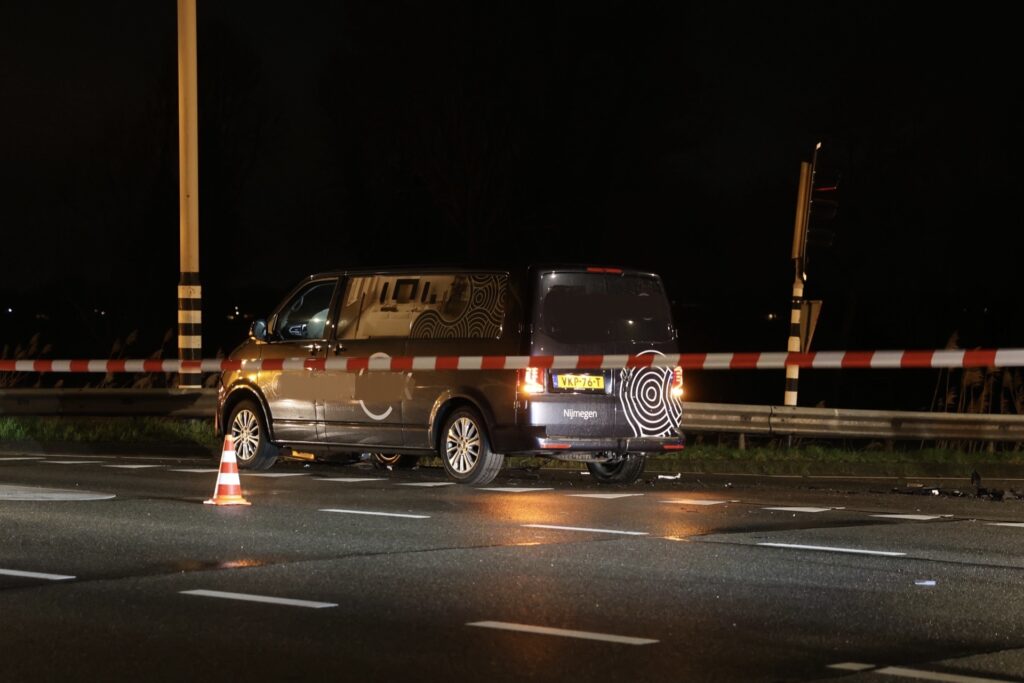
{"type": "Point", "coordinates": [111, 568]}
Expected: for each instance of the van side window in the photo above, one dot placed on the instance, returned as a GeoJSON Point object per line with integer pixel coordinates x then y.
{"type": "Point", "coordinates": [305, 315]}
{"type": "Point", "coordinates": [367, 312]}
{"type": "Point", "coordinates": [463, 306]}
{"type": "Point", "coordinates": [470, 307]}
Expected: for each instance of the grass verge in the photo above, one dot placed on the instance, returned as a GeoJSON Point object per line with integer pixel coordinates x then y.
{"type": "Point", "coordinates": [128, 430]}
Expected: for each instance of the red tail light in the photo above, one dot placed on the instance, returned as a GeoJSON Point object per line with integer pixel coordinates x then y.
{"type": "Point", "coordinates": [531, 381]}
{"type": "Point", "coordinates": [677, 382]}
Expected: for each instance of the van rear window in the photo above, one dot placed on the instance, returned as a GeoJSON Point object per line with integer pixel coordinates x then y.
{"type": "Point", "coordinates": [579, 308]}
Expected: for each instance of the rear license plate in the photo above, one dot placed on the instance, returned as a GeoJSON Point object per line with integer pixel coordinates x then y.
{"type": "Point", "coordinates": [580, 382]}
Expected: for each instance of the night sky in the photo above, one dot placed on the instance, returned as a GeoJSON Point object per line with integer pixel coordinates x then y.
{"type": "Point", "coordinates": [665, 136]}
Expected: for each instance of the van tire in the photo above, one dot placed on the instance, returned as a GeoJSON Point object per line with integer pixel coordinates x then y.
{"type": "Point", "coordinates": [394, 461]}
{"type": "Point", "coordinates": [625, 471]}
{"type": "Point", "coordinates": [466, 451]}
{"type": "Point", "coordinates": [247, 426]}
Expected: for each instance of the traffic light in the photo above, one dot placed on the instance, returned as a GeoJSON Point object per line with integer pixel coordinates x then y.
{"type": "Point", "coordinates": [823, 210]}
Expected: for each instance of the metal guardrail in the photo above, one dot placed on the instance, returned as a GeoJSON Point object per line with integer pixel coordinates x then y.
{"type": "Point", "coordinates": [846, 423]}
{"type": "Point", "coordinates": [176, 403]}
{"type": "Point", "coordinates": [722, 418]}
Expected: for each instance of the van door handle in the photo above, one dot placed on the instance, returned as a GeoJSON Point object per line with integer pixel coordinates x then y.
{"type": "Point", "coordinates": [338, 348]}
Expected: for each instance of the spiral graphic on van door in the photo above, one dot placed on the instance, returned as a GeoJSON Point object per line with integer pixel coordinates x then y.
{"type": "Point", "coordinates": [480, 318]}
{"type": "Point", "coordinates": [647, 401]}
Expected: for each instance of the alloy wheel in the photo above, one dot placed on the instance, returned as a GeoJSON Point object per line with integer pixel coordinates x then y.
{"type": "Point", "coordinates": [462, 445]}
{"type": "Point", "coordinates": [245, 431]}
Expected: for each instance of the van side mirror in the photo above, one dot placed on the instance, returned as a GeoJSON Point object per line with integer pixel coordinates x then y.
{"type": "Point", "coordinates": [258, 330]}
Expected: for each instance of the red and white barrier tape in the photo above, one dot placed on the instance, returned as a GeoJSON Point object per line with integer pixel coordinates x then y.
{"type": "Point", "coordinates": [1003, 358]}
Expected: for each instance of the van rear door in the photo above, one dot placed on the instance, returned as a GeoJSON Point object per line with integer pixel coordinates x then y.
{"type": "Point", "coordinates": [600, 312]}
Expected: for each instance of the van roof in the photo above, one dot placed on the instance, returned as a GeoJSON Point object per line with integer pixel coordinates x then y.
{"type": "Point", "coordinates": [442, 269]}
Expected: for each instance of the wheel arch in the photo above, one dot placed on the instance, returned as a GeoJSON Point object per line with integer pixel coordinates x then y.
{"type": "Point", "coordinates": [449, 402]}
{"type": "Point", "coordinates": [242, 392]}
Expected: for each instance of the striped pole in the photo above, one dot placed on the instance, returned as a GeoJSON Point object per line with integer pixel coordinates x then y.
{"type": "Point", "coordinates": [189, 291]}
{"type": "Point", "coordinates": [803, 198]}
{"type": "Point", "coordinates": [190, 325]}
{"type": "Point", "coordinates": [793, 371]}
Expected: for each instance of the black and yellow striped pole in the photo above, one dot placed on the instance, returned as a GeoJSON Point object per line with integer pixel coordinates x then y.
{"type": "Point", "coordinates": [803, 211]}
{"type": "Point", "coordinates": [189, 292]}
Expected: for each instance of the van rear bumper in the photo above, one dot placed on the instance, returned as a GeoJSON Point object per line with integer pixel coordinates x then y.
{"type": "Point", "coordinates": [606, 444]}
{"type": "Point", "coordinates": [535, 441]}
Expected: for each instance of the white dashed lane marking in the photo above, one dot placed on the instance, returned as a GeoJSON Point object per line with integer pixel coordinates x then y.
{"type": "Point", "coordinates": [800, 509]}
{"type": "Point", "coordinates": [830, 549]}
{"type": "Point", "coordinates": [851, 666]}
{"type": "Point", "coordinates": [9, 492]}
{"type": "Point", "coordinates": [1016, 524]}
{"type": "Point", "coordinates": [17, 459]}
{"type": "Point", "coordinates": [376, 514]}
{"type": "Point", "coordinates": [580, 528]}
{"type": "Point", "coordinates": [69, 462]}
{"type": "Point", "coordinates": [274, 475]}
{"type": "Point", "coordinates": [562, 632]}
{"type": "Point", "coordinates": [913, 518]}
{"type": "Point", "coordinates": [512, 489]}
{"type": "Point", "coordinates": [920, 675]}
{"type": "Point", "coordinates": [133, 467]}
{"type": "Point", "coordinates": [604, 496]}
{"type": "Point", "coordinates": [35, 575]}
{"type": "Point", "coordinates": [248, 597]}
{"type": "Point", "coordinates": [697, 501]}
{"type": "Point", "coordinates": [916, 674]}
{"type": "Point", "coordinates": [430, 484]}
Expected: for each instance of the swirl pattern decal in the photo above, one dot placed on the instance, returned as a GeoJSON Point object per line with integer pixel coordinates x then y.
{"type": "Point", "coordinates": [480, 318]}
{"type": "Point", "coordinates": [647, 401]}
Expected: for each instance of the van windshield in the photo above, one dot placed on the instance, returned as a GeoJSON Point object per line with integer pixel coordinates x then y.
{"type": "Point", "coordinates": [584, 308]}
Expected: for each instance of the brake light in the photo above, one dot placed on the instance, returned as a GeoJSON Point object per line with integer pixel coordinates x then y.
{"type": "Point", "coordinates": [677, 382]}
{"type": "Point", "coordinates": [531, 380]}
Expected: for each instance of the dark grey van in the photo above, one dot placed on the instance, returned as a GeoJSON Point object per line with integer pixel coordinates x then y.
{"type": "Point", "coordinates": [471, 419]}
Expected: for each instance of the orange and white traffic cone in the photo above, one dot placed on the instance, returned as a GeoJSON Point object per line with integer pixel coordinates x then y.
{"type": "Point", "coordinates": [229, 488]}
